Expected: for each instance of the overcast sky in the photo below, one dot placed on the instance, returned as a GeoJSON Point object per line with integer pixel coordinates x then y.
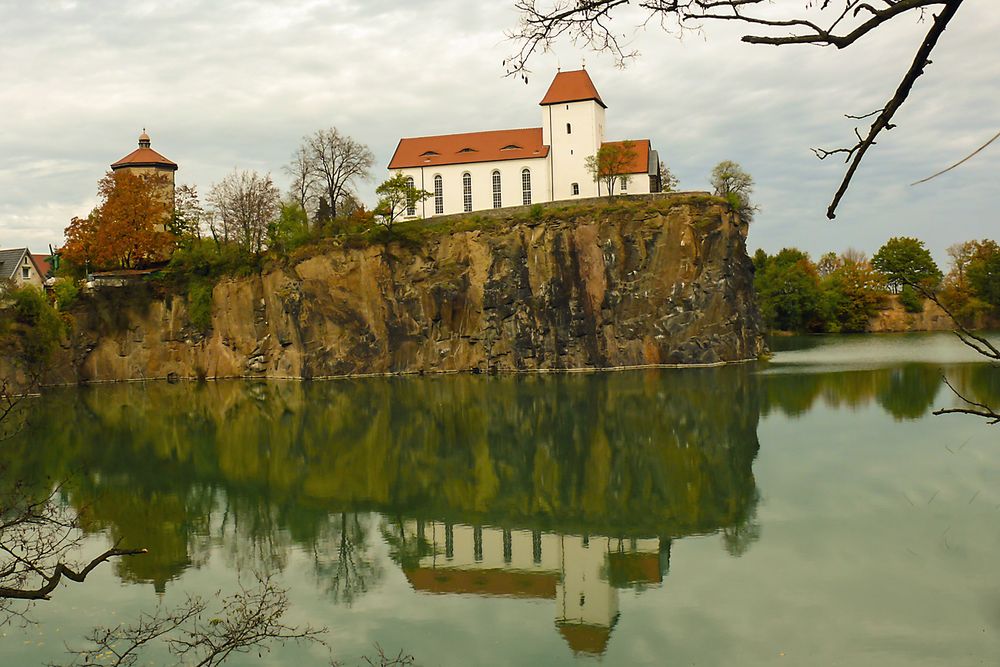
{"type": "Point", "coordinates": [237, 83]}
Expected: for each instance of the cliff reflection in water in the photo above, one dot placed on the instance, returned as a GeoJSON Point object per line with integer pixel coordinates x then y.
{"type": "Point", "coordinates": [563, 488]}
{"type": "Point", "coordinates": [256, 470]}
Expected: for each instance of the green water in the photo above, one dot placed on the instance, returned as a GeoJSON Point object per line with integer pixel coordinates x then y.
{"type": "Point", "coordinates": [809, 511]}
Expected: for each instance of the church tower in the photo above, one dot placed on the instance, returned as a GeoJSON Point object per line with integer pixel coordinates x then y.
{"type": "Point", "coordinates": [573, 128]}
{"type": "Point", "coordinates": [144, 161]}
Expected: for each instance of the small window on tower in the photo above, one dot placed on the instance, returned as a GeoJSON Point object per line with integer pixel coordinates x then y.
{"type": "Point", "coordinates": [576, 189]}
{"type": "Point", "coordinates": [569, 129]}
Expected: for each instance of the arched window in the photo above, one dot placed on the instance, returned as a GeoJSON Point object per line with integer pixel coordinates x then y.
{"type": "Point", "coordinates": [525, 186]}
{"type": "Point", "coordinates": [411, 202]}
{"type": "Point", "coordinates": [497, 199]}
{"type": "Point", "coordinates": [569, 129]}
{"type": "Point", "coordinates": [438, 195]}
{"type": "Point", "coordinates": [576, 188]}
{"type": "Point", "coordinates": [467, 192]}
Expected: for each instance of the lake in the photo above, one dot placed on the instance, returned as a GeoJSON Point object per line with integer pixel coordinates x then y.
{"type": "Point", "coordinates": [805, 511]}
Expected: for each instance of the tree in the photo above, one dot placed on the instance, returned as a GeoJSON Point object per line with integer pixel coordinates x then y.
{"type": "Point", "coordinates": [126, 230]}
{"type": "Point", "coordinates": [336, 161]}
{"type": "Point", "coordinates": [730, 182]}
{"type": "Point", "coordinates": [984, 274]}
{"type": "Point", "coordinates": [612, 164]}
{"type": "Point", "coordinates": [289, 230]}
{"type": "Point", "coordinates": [837, 23]}
{"type": "Point", "coordinates": [244, 204]}
{"type": "Point", "coordinates": [188, 215]}
{"type": "Point", "coordinates": [852, 295]}
{"type": "Point", "coordinates": [305, 179]}
{"type": "Point", "coordinates": [788, 292]}
{"type": "Point", "coordinates": [668, 182]}
{"type": "Point", "coordinates": [906, 261]}
{"type": "Point", "coordinates": [396, 196]}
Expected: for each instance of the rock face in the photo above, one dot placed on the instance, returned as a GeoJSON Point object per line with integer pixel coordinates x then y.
{"type": "Point", "coordinates": [647, 281]}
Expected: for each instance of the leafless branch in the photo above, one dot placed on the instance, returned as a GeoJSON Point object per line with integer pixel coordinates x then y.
{"type": "Point", "coordinates": [829, 23]}
{"type": "Point", "coordinates": [960, 162]}
{"type": "Point", "coordinates": [249, 620]}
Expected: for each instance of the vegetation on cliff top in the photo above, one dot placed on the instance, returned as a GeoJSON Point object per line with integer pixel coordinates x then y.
{"type": "Point", "coordinates": [842, 293]}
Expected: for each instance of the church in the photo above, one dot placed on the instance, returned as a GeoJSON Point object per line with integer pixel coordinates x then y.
{"type": "Point", "coordinates": [500, 168]}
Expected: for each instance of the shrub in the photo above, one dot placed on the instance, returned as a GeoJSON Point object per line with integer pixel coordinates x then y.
{"type": "Point", "coordinates": [66, 292]}
{"type": "Point", "coordinates": [911, 300]}
{"type": "Point", "coordinates": [200, 304]}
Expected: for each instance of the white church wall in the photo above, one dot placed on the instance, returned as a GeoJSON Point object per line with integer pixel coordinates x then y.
{"type": "Point", "coordinates": [569, 150]}
{"type": "Point", "coordinates": [482, 184]}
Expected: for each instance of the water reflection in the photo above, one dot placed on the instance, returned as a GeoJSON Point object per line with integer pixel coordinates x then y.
{"type": "Point", "coordinates": [580, 574]}
{"type": "Point", "coordinates": [565, 488]}
{"type": "Point", "coordinates": [559, 487]}
{"type": "Point", "coordinates": [907, 391]}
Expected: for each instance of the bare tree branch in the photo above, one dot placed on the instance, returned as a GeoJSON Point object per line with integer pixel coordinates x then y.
{"type": "Point", "coordinates": [822, 23]}
{"type": "Point", "coordinates": [960, 162]}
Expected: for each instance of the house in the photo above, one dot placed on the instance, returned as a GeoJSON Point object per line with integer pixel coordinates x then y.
{"type": "Point", "coordinates": [19, 266]}
{"type": "Point", "coordinates": [499, 168]}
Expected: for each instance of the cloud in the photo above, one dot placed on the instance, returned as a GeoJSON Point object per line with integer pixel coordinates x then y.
{"type": "Point", "coordinates": [237, 83]}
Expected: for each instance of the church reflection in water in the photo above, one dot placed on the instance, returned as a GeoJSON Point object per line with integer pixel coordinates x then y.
{"type": "Point", "coordinates": [580, 574]}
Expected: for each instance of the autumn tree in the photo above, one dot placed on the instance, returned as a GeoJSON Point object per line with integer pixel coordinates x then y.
{"type": "Point", "coordinates": [612, 164]}
{"type": "Point", "coordinates": [328, 164]}
{"type": "Point", "coordinates": [397, 196]}
{"type": "Point", "coordinates": [127, 230]}
{"type": "Point", "coordinates": [244, 203]}
{"type": "Point", "coordinates": [837, 23]}
{"type": "Point", "coordinates": [733, 184]}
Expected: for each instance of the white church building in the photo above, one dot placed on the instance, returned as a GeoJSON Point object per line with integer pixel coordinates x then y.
{"type": "Point", "coordinates": [499, 168]}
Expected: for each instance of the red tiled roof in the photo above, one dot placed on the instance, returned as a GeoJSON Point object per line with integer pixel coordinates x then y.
{"type": "Point", "coordinates": [584, 638]}
{"type": "Point", "coordinates": [144, 157]}
{"type": "Point", "coordinates": [640, 165]}
{"type": "Point", "coordinates": [43, 265]}
{"type": "Point", "coordinates": [469, 147]}
{"type": "Point", "coordinates": [504, 583]}
{"type": "Point", "coordinates": [574, 86]}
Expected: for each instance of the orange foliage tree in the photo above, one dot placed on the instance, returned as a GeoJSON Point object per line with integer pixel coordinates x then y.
{"type": "Point", "coordinates": [126, 230]}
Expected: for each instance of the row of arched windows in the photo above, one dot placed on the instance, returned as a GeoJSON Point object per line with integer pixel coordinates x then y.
{"type": "Point", "coordinates": [467, 191]}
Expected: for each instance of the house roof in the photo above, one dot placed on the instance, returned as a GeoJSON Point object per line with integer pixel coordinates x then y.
{"type": "Point", "coordinates": [503, 583]}
{"type": "Point", "coordinates": [10, 261]}
{"type": "Point", "coordinates": [43, 264]}
{"type": "Point", "coordinates": [145, 157]}
{"type": "Point", "coordinates": [525, 143]}
{"type": "Point", "coordinates": [640, 164]}
{"type": "Point", "coordinates": [574, 86]}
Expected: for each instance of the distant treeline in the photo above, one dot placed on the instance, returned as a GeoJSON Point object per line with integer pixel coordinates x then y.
{"type": "Point", "coordinates": [842, 293]}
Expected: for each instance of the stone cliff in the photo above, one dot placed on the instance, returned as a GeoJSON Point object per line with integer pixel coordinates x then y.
{"type": "Point", "coordinates": [658, 280]}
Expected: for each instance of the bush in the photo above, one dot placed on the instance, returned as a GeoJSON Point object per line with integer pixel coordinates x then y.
{"type": "Point", "coordinates": [34, 332]}
{"type": "Point", "coordinates": [200, 304]}
{"type": "Point", "coordinates": [66, 293]}
{"type": "Point", "coordinates": [911, 300]}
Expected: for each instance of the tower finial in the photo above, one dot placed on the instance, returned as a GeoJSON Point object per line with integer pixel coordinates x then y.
{"type": "Point", "coordinates": [144, 139]}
